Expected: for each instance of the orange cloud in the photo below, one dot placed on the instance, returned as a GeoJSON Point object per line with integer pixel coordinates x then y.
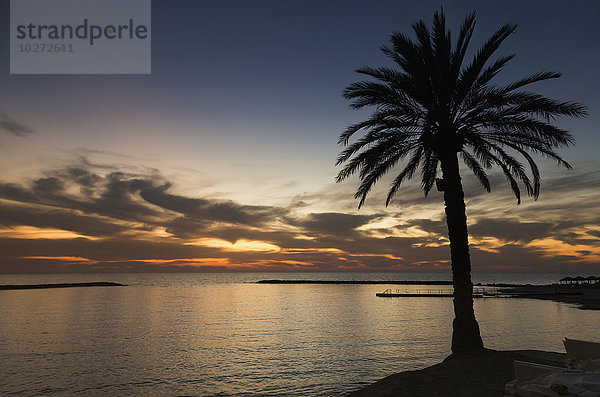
{"type": "Point", "coordinates": [277, 264]}
{"type": "Point", "coordinates": [553, 247]}
{"type": "Point", "coordinates": [238, 246]}
{"type": "Point", "coordinates": [70, 259]}
{"type": "Point", "coordinates": [31, 232]}
{"type": "Point", "coordinates": [487, 244]}
{"type": "Point", "coordinates": [311, 250]}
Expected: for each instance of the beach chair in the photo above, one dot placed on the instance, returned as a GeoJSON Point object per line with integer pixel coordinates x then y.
{"type": "Point", "coordinates": [580, 377]}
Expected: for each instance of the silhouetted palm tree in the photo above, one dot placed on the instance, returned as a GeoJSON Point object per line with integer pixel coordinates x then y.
{"type": "Point", "coordinates": [432, 111]}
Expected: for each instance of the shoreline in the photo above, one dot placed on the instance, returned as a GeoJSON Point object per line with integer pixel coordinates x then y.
{"type": "Point", "coordinates": [60, 285]}
{"type": "Point", "coordinates": [585, 298]}
{"type": "Point", "coordinates": [482, 374]}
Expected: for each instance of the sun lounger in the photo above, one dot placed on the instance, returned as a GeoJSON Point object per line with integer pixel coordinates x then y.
{"type": "Point", "coordinates": [525, 371]}
{"type": "Point", "coordinates": [582, 378]}
{"type": "Point", "coordinates": [582, 384]}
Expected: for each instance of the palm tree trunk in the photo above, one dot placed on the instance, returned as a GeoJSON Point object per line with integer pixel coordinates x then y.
{"type": "Point", "coordinates": [465, 333]}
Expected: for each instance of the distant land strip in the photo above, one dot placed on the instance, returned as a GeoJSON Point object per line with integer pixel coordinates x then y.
{"type": "Point", "coordinates": [400, 282]}
{"type": "Point", "coordinates": [62, 285]}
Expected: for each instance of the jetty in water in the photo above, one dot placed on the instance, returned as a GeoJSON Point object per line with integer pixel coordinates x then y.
{"type": "Point", "coordinates": [399, 282]}
{"type": "Point", "coordinates": [424, 293]}
{"type": "Point", "coordinates": [61, 285]}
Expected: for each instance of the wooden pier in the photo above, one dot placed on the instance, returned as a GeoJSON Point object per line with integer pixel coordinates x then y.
{"type": "Point", "coordinates": [424, 293]}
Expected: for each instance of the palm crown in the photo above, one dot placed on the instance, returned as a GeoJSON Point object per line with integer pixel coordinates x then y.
{"type": "Point", "coordinates": [433, 107]}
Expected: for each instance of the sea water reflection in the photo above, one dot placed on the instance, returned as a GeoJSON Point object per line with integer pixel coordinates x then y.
{"type": "Point", "coordinates": [203, 338]}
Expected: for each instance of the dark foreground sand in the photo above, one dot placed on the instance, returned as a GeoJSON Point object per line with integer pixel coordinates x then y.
{"type": "Point", "coordinates": [481, 375]}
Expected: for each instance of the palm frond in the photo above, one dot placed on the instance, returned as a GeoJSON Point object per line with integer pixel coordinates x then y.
{"type": "Point", "coordinates": [368, 159]}
{"type": "Point", "coordinates": [540, 76]}
{"type": "Point", "coordinates": [430, 165]}
{"type": "Point", "coordinates": [470, 73]}
{"type": "Point", "coordinates": [382, 120]}
{"type": "Point", "coordinates": [372, 172]}
{"type": "Point", "coordinates": [406, 174]}
{"type": "Point", "coordinates": [477, 169]}
{"type": "Point", "coordinates": [434, 106]}
{"type": "Point", "coordinates": [462, 43]}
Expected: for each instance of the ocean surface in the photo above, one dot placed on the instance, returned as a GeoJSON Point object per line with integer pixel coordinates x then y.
{"type": "Point", "coordinates": [223, 334]}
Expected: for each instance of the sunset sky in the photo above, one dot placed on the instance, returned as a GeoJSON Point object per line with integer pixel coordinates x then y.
{"type": "Point", "coordinates": [223, 158]}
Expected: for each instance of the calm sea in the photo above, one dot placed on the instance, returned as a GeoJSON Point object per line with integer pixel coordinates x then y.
{"type": "Point", "coordinates": [223, 334]}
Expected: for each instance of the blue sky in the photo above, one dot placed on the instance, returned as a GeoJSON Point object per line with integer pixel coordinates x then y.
{"type": "Point", "coordinates": [244, 107]}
